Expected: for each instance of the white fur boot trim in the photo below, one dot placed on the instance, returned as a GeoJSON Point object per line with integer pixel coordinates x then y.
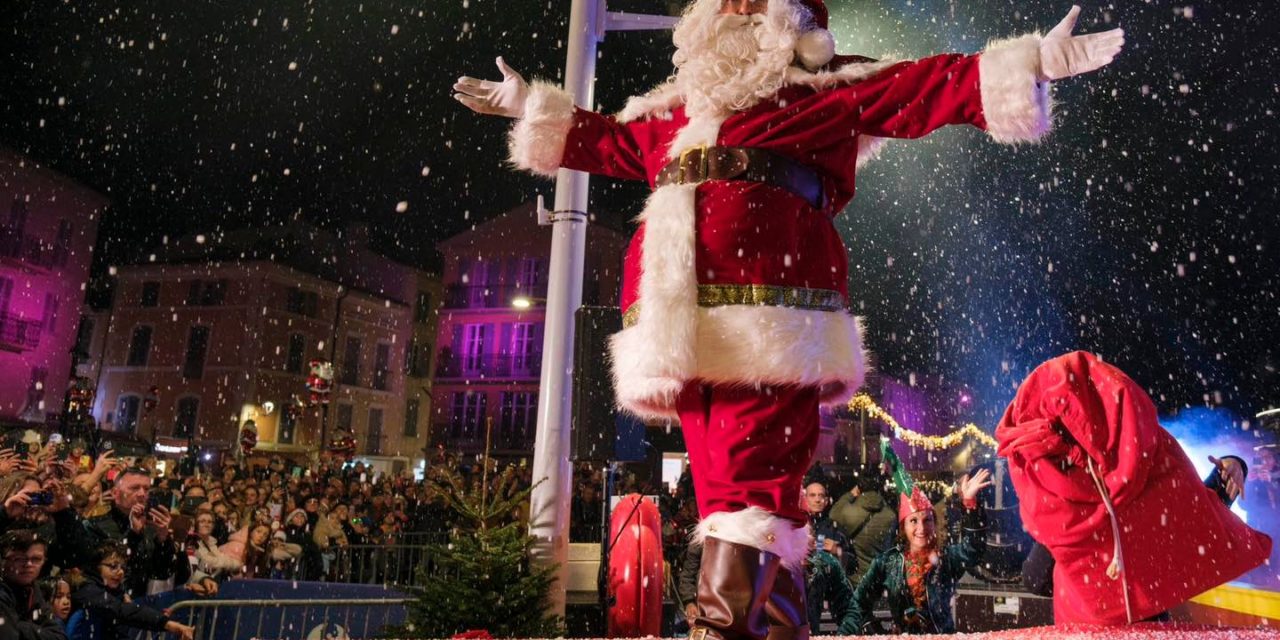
{"type": "Point", "coordinates": [759, 529]}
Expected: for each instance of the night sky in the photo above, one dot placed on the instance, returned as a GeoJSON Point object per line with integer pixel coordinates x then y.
{"type": "Point", "coordinates": [1143, 228]}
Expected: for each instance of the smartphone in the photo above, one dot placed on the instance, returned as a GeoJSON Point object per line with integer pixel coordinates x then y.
{"type": "Point", "coordinates": [41, 499]}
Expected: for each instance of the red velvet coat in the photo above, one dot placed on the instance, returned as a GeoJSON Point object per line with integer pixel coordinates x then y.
{"type": "Point", "coordinates": [739, 282]}
{"type": "Point", "coordinates": [1177, 539]}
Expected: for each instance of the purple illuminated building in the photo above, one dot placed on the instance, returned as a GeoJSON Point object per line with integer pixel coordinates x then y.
{"type": "Point", "coordinates": [491, 327]}
{"type": "Point", "coordinates": [46, 245]}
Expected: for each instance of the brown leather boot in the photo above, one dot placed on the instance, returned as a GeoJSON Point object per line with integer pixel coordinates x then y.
{"type": "Point", "coordinates": [786, 610]}
{"type": "Point", "coordinates": [733, 586]}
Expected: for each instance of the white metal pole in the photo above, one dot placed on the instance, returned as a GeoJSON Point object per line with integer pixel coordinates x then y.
{"type": "Point", "coordinates": [549, 512]}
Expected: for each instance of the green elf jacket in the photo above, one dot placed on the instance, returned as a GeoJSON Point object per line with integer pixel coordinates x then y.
{"type": "Point", "coordinates": [887, 574]}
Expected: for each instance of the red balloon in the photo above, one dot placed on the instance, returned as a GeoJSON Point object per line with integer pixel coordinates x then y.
{"type": "Point", "coordinates": [635, 569]}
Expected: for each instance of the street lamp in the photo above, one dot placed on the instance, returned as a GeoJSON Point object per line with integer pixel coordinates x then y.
{"type": "Point", "coordinates": [525, 302]}
{"type": "Point", "coordinates": [589, 21]}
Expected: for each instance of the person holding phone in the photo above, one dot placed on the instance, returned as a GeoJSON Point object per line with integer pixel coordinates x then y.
{"type": "Point", "coordinates": [135, 520]}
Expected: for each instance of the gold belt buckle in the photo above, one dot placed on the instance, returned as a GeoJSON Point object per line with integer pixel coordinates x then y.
{"type": "Point", "coordinates": [703, 165]}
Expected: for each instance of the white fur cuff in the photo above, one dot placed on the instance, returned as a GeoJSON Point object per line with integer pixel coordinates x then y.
{"type": "Point", "coordinates": [537, 140]}
{"type": "Point", "coordinates": [1016, 104]}
{"type": "Point", "coordinates": [759, 529]}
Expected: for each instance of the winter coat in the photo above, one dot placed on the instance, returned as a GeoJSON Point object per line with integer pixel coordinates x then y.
{"type": "Point", "coordinates": [869, 524]}
{"type": "Point", "coordinates": [687, 583]}
{"type": "Point", "coordinates": [825, 527]}
{"type": "Point", "coordinates": [311, 564]}
{"type": "Point", "coordinates": [827, 584]}
{"type": "Point", "coordinates": [34, 617]}
{"type": "Point", "coordinates": [101, 613]}
{"type": "Point", "coordinates": [149, 558]}
{"type": "Point", "coordinates": [887, 574]}
{"type": "Point", "coordinates": [213, 562]}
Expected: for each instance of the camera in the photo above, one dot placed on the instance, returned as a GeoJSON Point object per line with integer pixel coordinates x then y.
{"type": "Point", "coordinates": [41, 499]}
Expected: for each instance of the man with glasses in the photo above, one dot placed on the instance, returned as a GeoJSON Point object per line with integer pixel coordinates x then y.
{"type": "Point", "coordinates": [23, 555]}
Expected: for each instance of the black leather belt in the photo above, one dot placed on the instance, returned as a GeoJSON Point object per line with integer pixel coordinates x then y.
{"type": "Point", "coordinates": [699, 164]}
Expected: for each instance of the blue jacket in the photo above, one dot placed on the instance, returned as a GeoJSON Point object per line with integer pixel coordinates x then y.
{"type": "Point", "coordinates": [100, 613]}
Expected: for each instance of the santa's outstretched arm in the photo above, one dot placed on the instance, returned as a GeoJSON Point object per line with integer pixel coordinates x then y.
{"type": "Point", "coordinates": [550, 131]}
{"type": "Point", "coordinates": [1003, 90]}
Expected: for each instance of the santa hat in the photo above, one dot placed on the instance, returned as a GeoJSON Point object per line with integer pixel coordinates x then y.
{"type": "Point", "coordinates": [816, 46]}
{"type": "Point", "coordinates": [910, 498]}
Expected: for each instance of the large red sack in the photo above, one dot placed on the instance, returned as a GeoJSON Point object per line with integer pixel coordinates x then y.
{"type": "Point", "coordinates": [1177, 539]}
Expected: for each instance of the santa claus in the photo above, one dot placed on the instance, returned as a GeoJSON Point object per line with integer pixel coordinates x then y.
{"type": "Point", "coordinates": [735, 287]}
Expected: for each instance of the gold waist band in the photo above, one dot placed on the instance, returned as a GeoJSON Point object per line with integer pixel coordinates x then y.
{"type": "Point", "coordinates": [721, 295]}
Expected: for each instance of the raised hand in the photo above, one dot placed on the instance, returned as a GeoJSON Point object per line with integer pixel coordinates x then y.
{"type": "Point", "coordinates": [1063, 55]}
{"type": "Point", "coordinates": [17, 504]}
{"type": "Point", "coordinates": [1232, 475]}
{"type": "Point", "coordinates": [504, 98]}
{"type": "Point", "coordinates": [970, 486]}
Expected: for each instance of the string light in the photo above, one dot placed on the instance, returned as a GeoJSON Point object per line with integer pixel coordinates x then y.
{"type": "Point", "coordinates": [863, 402]}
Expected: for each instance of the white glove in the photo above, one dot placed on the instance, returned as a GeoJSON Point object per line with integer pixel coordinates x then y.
{"type": "Point", "coordinates": [504, 98]}
{"type": "Point", "coordinates": [1063, 55]}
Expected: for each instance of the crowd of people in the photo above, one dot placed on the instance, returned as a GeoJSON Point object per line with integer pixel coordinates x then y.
{"type": "Point", "coordinates": [864, 539]}
{"type": "Point", "coordinates": [900, 550]}
{"type": "Point", "coordinates": [83, 536]}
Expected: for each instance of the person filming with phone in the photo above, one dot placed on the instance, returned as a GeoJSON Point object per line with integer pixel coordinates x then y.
{"type": "Point", "coordinates": [136, 519]}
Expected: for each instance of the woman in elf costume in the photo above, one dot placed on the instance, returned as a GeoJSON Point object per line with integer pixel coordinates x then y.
{"type": "Point", "coordinates": [918, 577]}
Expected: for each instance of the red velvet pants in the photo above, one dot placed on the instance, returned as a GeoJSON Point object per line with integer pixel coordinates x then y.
{"type": "Point", "coordinates": [749, 446]}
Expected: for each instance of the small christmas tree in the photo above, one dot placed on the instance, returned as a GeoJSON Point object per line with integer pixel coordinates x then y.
{"type": "Point", "coordinates": [483, 578]}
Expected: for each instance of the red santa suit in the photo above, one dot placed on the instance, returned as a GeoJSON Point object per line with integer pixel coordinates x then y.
{"type": "Point", "coordinates": [735, 293]}
{"type": "Point", "coordinates": [1131, 527]}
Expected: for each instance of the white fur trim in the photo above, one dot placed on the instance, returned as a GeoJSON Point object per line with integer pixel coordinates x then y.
{"type": "Point", "coordinates": [754, 527]}
{"type": "Point", "coordinates": [767, 345]}
{"type": "Point", "coordinates": [659, 102]}
{"type": "Point", "coordinates": [699, 131]}
{"type": "Point", "coordinates": [652, 359]}
{"type": "Point", "coordinates": [1016, 104]}
{"type": "Point", "coordinates": [868, 148]}
{"type": "Point", "coordinates": [536, 142]}
{"type": "Point", "coordinates": [737, 345]}
{"type": "Point", "coordinates": [845, 74]}
{"type": "Point", "coordinates": [815, 48]}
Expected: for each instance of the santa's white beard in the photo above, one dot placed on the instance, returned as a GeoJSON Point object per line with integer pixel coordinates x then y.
{"type": "Point", "coordinates": [727, 63]}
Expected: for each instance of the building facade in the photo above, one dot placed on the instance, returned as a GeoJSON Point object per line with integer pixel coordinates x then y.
{"type": "Point", "coordinates": [491, 328]}
{"type": "Point", "coordinates": [47, 237]}
{"type": "Point", "coordinates": [199, 345]}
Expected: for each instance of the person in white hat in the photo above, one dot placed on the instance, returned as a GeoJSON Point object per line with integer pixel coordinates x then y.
{"type": "Point", "coordinates": [735, 287]}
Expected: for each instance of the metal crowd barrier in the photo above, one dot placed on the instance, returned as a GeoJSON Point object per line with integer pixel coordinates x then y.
{"type": "Point", "coordinates": [284, 619]}
{"type": "Point", "coordinates": [389, 564]}
{"type": "Point", "coordinates": [377, 564]}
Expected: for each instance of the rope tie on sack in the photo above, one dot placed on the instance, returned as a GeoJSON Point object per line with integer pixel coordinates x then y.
{"type": "Point", "coordinates": [1116, 568]}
